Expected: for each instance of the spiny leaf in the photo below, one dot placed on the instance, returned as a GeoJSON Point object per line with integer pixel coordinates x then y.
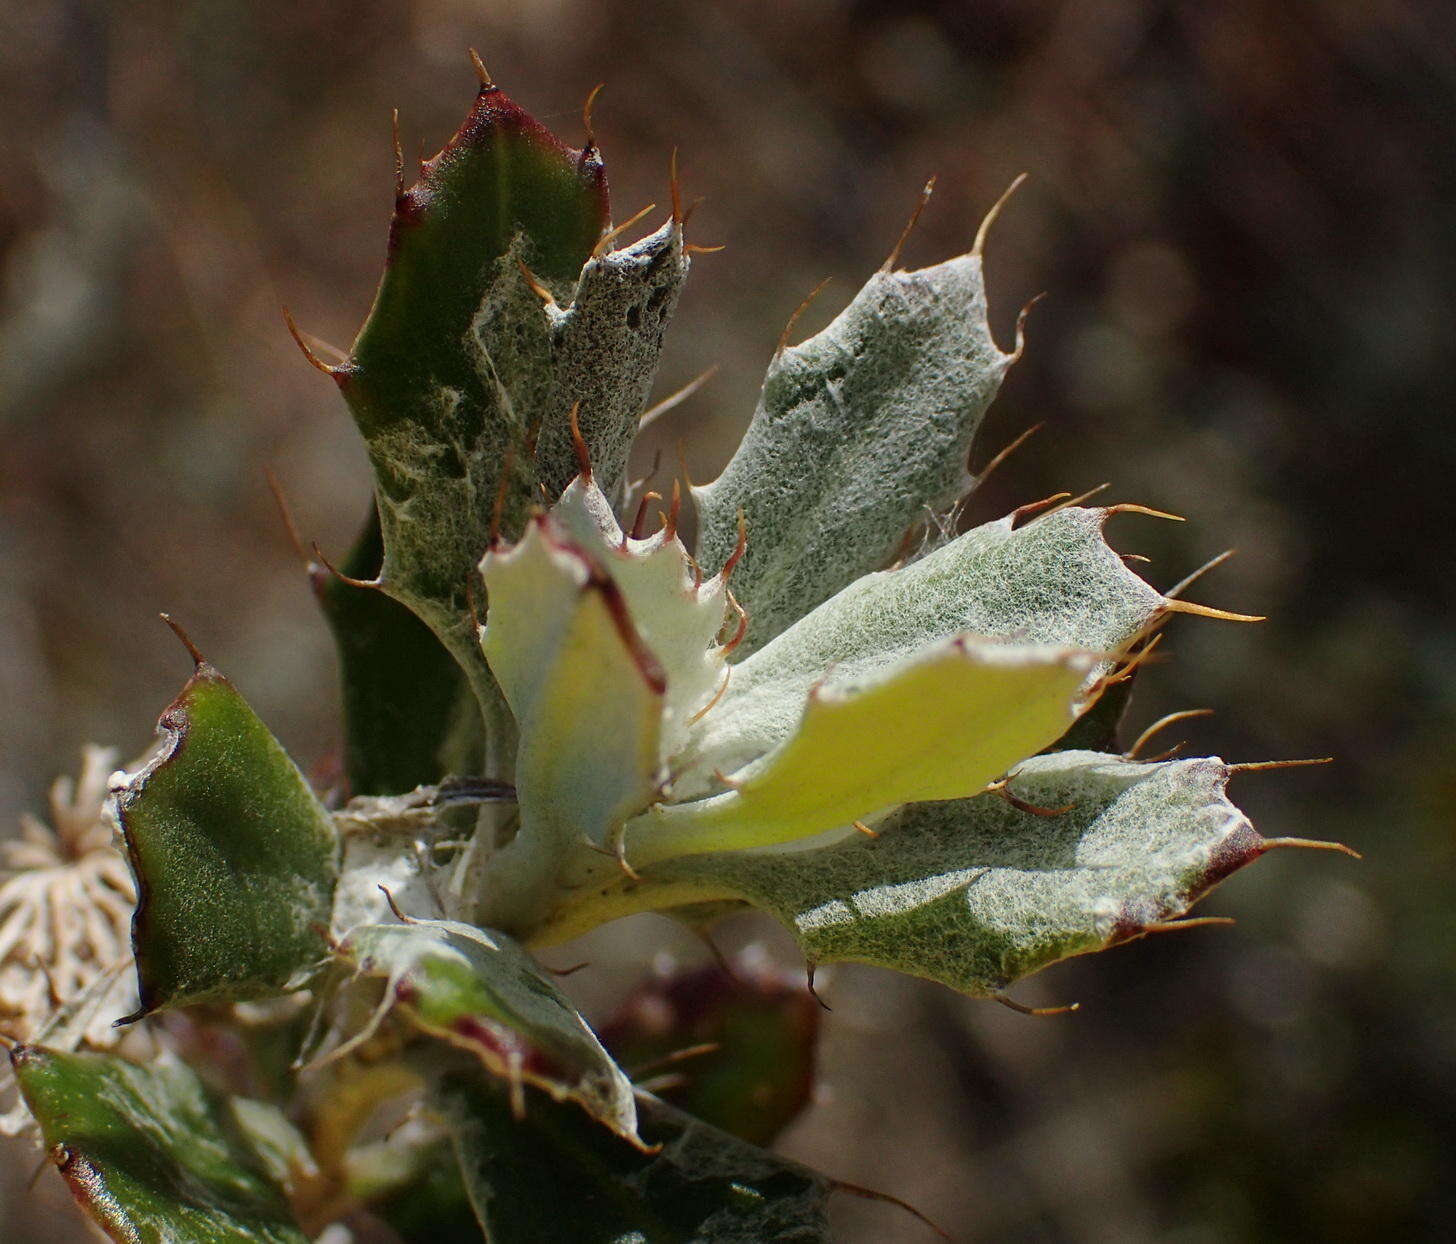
{"type": "Point", "coordinates": [478, 990]}
{"type": "Point", "coordinates": [401, 688]}
{"type": "Point", "coordinates": [938, 725]}
{"type": "Point", "coordinates": [677, 614]}
{"type": "Point", "coordinates": [587, 695]}
{"type": "Point", "coordinates": [860, 433]}
{"type": "Point", "coordinates": [234, 856]}
{"type": "Point", "coordinates": [605, 349]}
{"type": "Point", "coordinates": [1051, 581]}
{"type": "Point", "coordinates": [977, 893]}
{"type": "Point", "coordinates": [553, 1175]}
{"type": "Point", "coordinates": [153, 1155]}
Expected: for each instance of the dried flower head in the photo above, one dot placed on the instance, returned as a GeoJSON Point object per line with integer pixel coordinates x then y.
{"type": "Point", "coordinates": [66, 899]}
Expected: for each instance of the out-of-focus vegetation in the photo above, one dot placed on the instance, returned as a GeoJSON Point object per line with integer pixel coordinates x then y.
{"type": "Point", "coordinates": [1244, 215]}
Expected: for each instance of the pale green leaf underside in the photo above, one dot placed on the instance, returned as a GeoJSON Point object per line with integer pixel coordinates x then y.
{"type": "Point", "coordinates": [1054, 580]}
{"type": "Point", "coordinates": [587, 698]}
{"type": "Point", "coordinates": [938, 725]}
{"type": "Point", "coordinates": [478, 990]}
{"type": "Point", "coordinates": [975, 893]}
{"type": "Point", "coordinates": [860, 432]}
{"type": "Point", "coordinates": [677, 615]}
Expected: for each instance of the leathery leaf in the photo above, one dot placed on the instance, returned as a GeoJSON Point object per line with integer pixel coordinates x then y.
{"type": "Point", "coordinates": [977, 893]}
{"type": "Point", "coordinates": [153, 1155]}
{"type": "Point", "coordinates": [552, 1175]}
{"type": "Point", "coordinates": [478, 990]}
{"type": "Point", "coordinates": [234, 856]}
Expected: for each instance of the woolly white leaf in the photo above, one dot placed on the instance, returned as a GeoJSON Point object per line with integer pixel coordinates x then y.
{"type": "Point", "coordinates": [858, 432]}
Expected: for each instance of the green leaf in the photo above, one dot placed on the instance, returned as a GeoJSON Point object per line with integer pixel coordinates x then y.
{"type": "Point", "coordinates": [587, 695]}
{"type": "Point", "coordinates": [553, 1175]}
{"type": "Point", "coordinates": [1053, 580]}
{"type": "Point", "coordinates": [479, 991]}
{"type": "Point", "coordinates": [153, 1155]}
{"type": "Point", "coordinates": [400, 687]}
{"type": "Point", "coordinates": [753, 1072]}
{"type": "Point", "coordinates": [860, 433]}
{"type": "Point", "coordinates": [463, 382]}
{"type": "Point", "coordinates": [234, 856]}
{"type": "Point", "coordinates": [977, 893]}
{"type": "Point", "coordinates": [938, 725]}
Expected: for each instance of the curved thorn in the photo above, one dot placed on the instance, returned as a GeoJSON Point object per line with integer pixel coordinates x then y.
{"type": "Point", "coordinates": [717, 695]}
{"type": "Point", "coordinates": [1019, 345]}
{"type": "Point", "coordinates": [586, 117]}
{"type": "Point", "coordinates": [394, 907]}
{"type": "Point", "coordinates": [865, 829]}
{"type": "Point", "coordinates": [672, 400]}
{"type": "Point", "coordinates": [739, 548]}
{"type": "Point", "coordinates": [1000, 458]}
{"type": "Point", "coordinates": [1179, 588]}
{"type": "Point", "coordinates": [894, 256]}
{"type": "Point", "coordinates": [1003, 789]}
{"type": "Point", "coordinates": [533, 283]}
{"type": "Point", "coordinates": [677, 1056]}
{"type": "Point", "coordinates": [318, 553]}
{"type": "Point", "coordinates": [979, 246]}
{"type": "Point", "coordinates": [1146, 736]}
{"type": "Point", "coordinates": [197, 658]}
{"type": "Point", "coordinates": [1023, 511]}
{"type": "Point", "coordinates": [1128, 507]}
{"type": "Point", "coordinates": [308, 351]}
{"type": "Point", "coordinates": [1191, 922]}
{"type": "Point", "coordinates": [870, 1194]}
{"type": "Point", "coordinates": [669, 526]}
{"type": "Point", "coordinates": [612, 234]}
{"type": "Point", "coordinates": [730, 783]}
{"type": "Point", "coordinates": [578, 444]}
{"type": "Point", "coordinates": [798, 311]}
{"type": "Point", "coordinates": [682, 462]}
{"type": "Point", "coordinates": [286, 515]}
{"type": "Point", "coordinates": [1308, 844]}
{"type": "Point", "coordinates": [571, 971]}
{"type": "Point", "coordinates": [1258, 766]}
{"type": "Point", "coordinates": [1039, 1011]}
{"type": "Point", "coordinates": [694, 248]}
{"type": "Point", "coordinates": [1207, 611]}
{"type": "Point", "coordinates": [486, 84]}
{"type": "Point", "coordinates": [639, 523]}
{"type": "Point", "coordinates": [742, 624]}
{"type": "Point", "coordinates": [1075, 501]}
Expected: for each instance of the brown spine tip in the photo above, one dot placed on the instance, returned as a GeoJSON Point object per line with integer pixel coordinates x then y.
{"type": "Point", "coordinates": [894, 256]}
{"type": "Point", "coordinates": [1162, 723]}
{"type": "Point", "coordinates": [308, 350]}
{"type": "Point", "coordinates": [578, 444]}
{"type": "Point", "coordinates": [586, 118]}
{"type": "Point", "coordinates": [481, 72]}
{"type": "Point", "coordinates": [1208, 611]}
{"type": "Point", "coordinates": [1308, 844]}
{"type": "Point", "coordinates": [1039, 1011]}
{"type": "Point", "coordinates": [611, 235]}
{"type": "Point", "coordinates": [794, 319]}
{"type": "Point", "coordinates": [865, 829]}
{"type": "Point", "coordinates": [1000, 458]}
{"type": "Point", "coordinates": [286, 514]}
{"type": "Point", "coordinates": [1019, 347]}
{"type": "Point", "coordinates": [742, 624]}
{"type": "Point", "coordinates": [658, 409]}
{"type": "Point", "coordinates": [717, 695]}
{"type": "Point", "coordinates": [738, 549]}
{"type": "Point", "coordinates": [809, 969]}
{"type": "Point", "coordinates": [639, 523]}
{"type": "Point", "coordinates": [497, 511]}
{"type": "Point", "coordinates": [533, 283]}
{"type": "Point", "coordinates": [192, 650]}
{"type": "Point", "coordinates": [371, 584]}
{"type": "Point", "coordinates": [979, 246]}
{"type": "Point", "coordinates": [669, 528]}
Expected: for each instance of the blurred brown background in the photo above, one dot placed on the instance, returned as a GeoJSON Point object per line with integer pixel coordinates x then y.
{"type": "Point", "coordinates": [1244, 214]}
